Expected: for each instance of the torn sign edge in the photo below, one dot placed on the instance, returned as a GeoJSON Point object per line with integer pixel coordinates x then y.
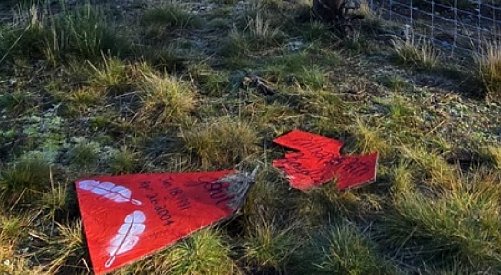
{"type": "Point", "coordinates": [336, 155]}
{"type": "Point", "coordinates": [359, 185]}
{"type": "Point", "coordinates": [245, 182]}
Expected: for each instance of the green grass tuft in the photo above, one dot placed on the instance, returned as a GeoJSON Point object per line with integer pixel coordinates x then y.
{"type": "Point", "coordinates": [123, 161]}
{"type": "Point", "coordinates": [170, 16]}
{"type": "Point", "coordinates": [224, 141]}
{"type": "Point", "coordinates": [204, 252]}
{"type": "Point", "coordinates": [84, 154]}
{"type": "Point", "coordinates": [350, 252]}
{"type": "Point", "coordinates": [78, 33]}
{"type": "Point", "coordinates": [462, 223]}
{"type": "Point", "coordinates": [489, 63]}
{"type": "Point", "coordinates": [270, 246]}
{"type": "Point", "coordinates": [419, 53]}
{"type": "Point", "coordinates": [165, 99]}
{"type": "Point", "coordinates": [32, 174]}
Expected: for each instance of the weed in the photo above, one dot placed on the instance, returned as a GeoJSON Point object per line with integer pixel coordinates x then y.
{"type": "Point", "coordinates": [204, 252]}
{"type": "Point", "coordinates": [84, 33]}
{"type": "Point", "coordinates": [315, 30]}
{"type": "Point", "coordinates": [489, 64]}
{"type": "Point", "coordinates": [236, 45]}
{"type": "Point", "coordinates": [260, 29]}
{"type": "Point", "coordinates": [327, 203]}
{"type": "Point", "coordinates": [268, 196]}
{"type": "Point", "coordinates": [223, 141]}
{"type": "Point", "coordinates": [12, 230]}
{"type": "Point", "coordinates": [163, 58]}
{"type": "Point", "coordinates": [299, 68]}
{"type": "Point", "coordinates": [401, 111]}
{"type": "Point", "coordinates": [258, 34]}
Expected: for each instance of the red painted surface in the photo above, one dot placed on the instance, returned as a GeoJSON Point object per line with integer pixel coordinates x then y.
{"type": "Point", "coordinates": [128, 217]}
{"type": "Point", "coordinates": [317, 160]}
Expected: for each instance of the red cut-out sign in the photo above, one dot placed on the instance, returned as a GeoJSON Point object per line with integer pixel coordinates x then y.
{"type": "Point", "coordinates": [318, 161]}
{"type": "Point", "coordinates": [128, 217]}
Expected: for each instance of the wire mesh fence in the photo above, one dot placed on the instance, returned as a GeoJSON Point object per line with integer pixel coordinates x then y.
{"type": "Point", "coordinates": [458, 26]}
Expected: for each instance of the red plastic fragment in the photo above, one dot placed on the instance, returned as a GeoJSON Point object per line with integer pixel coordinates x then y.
{"type": "Point", "coordinates": [318, 161]}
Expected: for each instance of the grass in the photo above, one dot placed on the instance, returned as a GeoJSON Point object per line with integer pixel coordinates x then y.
{"type": "Point", "coordinates": [124, 161]}
{"type": "Point", "coordinates": [205, 252]}
{"type": "Point", "coordinates": [93, 89]}
{"type": "Point", "coordinates": [350, 252]}
{"type": "Point", "coordinates": [84, 154]}
{"type": "Point", "coordinates": [66, 247]}
{"type": "Point", "coordinates": [489, 70]}
{"type": "Point", "coordinates": [460, 224]}
{"type": "Point", "coordinates": [81, 33]}
{"type": "Point", "coordinates": [419, 53]}
{"type": "Point", "coordinates": [169, 15]}
{"type": "Point", "coordinates": [269, 246]}
{"type": "Point", "coordinates": [437, 171]}
{"type": "Point", "coordinates": [221, 142]}
{"type": "Point", "coordinates": [25, 174]}
{"type": "Point", "coordinates": [166, 99]}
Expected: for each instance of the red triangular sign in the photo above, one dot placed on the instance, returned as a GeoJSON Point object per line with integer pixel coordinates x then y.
{"type": "Point", "coordinates": [128, 217]}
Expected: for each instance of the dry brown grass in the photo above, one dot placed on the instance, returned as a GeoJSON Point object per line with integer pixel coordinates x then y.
{"type": "Point", "coordinates": [489, 64]}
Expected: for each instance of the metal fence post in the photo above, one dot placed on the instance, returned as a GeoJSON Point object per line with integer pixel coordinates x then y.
{"type": "Point", "coordinates": [454, 45]}
{"type": "Point", "coordinates": [412, 15]}
{"type": "Point", "coordinates": [391, 9]}
{"type": "Point", "coordinates": [433, 22]}
{"type": "Point", "coordinates": [479, 25]}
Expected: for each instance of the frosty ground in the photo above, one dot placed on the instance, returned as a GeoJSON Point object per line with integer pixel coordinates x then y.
{"type": "Point", "coordinates": [114, 87]}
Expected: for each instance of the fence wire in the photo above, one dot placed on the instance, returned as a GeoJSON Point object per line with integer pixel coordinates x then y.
{"type": "Point", "coordinates": [460, 26]}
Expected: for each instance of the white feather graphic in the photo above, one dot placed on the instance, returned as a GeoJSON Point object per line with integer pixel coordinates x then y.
{"type": "Point", "coordinates": [127, 236]}
{"type": "Point", "coordinates": [109, 190]}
